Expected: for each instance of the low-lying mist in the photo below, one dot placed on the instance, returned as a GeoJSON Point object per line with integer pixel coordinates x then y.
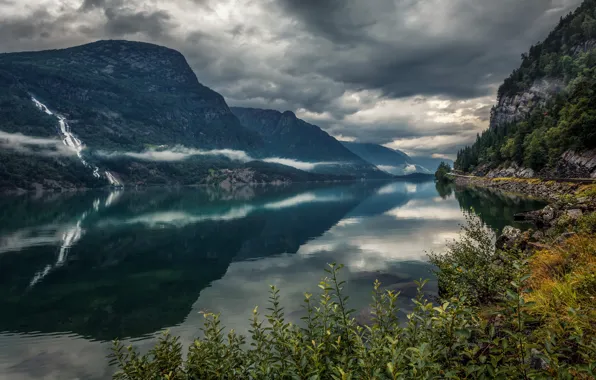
{"type": "Point", "coordinates": [34, 145]}
{"type": "Point", "coordinates": [181, 153]}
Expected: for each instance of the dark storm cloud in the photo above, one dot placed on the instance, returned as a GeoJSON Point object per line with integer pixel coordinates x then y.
{"type": "Point", "coordinates": [122, 22]}
{"type": "Point", "coordinates": [38, 25]}
{"type": "Point", "coordinates": [334, 19]}
{"type": "Point", "coordinates": [484, 36]}
{"type": "Point", "coordinates": [91, 4]}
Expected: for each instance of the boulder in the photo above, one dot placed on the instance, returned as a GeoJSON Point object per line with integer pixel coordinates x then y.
{"type": "Point", "coordinates": [538, 235]}
{"type": "Point", "coordinates": [509, 238]}
{"type": "Point", "coordinates": [573, 215]}
{"type": "Point", "coordinates": [547, 214]}
{"type": "Point", "coordinates": [563, 237]}
{"type": "Point", "coordinates": [536, 360]}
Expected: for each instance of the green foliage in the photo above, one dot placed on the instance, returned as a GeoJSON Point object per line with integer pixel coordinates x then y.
{"type": "Point", "coordinates": [472, 267]}
{"type": "Point", "coordinates": [587, 223]}
{"type": "Point", "coordinates": [446, 340]}
{"type": "Point", "coordinates": [566, 121]}
{"type": "Point", "coordinates": [442, 171]}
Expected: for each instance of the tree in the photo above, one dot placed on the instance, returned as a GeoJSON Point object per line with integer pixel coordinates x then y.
{"type": "Point", "coordinates": [442, 171]}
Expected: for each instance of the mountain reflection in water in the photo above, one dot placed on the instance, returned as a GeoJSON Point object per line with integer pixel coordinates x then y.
{"type": "Point", "coordinates": [78, 270]}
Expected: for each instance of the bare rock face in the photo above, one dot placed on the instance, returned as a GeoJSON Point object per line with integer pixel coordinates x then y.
{"type": "Point", "coordinates": [578, 165]}
{"type": "Point", "coordinates": [513, 171]}
{"type": "Point", "coordinates": [511, 109]}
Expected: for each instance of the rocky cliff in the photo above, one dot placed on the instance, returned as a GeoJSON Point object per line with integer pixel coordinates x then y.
{"type": "Point", "coordinates": [570, 165]}
{"type": "Point", "coordinates": [514, 108]}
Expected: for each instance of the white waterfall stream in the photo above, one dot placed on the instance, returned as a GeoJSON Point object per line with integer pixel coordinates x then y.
{"type": "Point", "coordinates": [71, 141]}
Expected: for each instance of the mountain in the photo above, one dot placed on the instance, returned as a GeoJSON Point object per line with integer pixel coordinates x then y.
{"type": "Point", "coordinates": [286, 136]}
{"type": "Point", "coordinates": [126, 112]}
{"type": "Point", "coordinates": [123, 95]}
{"type": "Point", "coordinates": [544, 121]}
{"type": "Point", "coordinates": [391, 161]}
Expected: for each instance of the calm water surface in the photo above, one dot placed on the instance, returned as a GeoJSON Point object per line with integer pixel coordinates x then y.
{"type": "Point", "coordinates": [79, 270]}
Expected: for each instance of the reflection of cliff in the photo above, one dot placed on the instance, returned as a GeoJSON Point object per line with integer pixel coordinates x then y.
{"type": "Point", "coordinates": [139, 265]}
{"type": "Point", "coordinates": [494, 208]}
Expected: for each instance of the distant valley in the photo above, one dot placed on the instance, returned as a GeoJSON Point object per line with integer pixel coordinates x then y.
{"type": "Point", "coordinates": [121, 113]}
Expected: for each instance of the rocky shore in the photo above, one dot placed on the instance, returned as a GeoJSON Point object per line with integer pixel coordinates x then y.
{"type": "Point", "coordinates": [568, 205]}
{"type": "Point", "coordinates": [551, 191]}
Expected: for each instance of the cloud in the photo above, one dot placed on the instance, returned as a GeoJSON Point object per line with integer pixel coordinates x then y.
{"type": "Point", "coordinates": [377, 71]}
{"type": "Point", "coordinates": [34, 145]}
{"type": "Point", "coordinates": [301, 199]}
{"type": "Point", "coordinates": [124, 22]}
{"type": "Point", "coordinates": [428, 145]}
{"type": "Point", "coordinates": [399, 170]}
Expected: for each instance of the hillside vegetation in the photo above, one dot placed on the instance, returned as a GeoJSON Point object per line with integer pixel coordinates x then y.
{"type": "Point", "coordinates": [564, 115]}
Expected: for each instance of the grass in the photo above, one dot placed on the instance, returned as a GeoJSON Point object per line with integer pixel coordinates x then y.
{"type": "Point", "coordinates": [588, 191]}
{"type": "Point", "coordinates": [562, 284]}
{"type": "Point", "coordinates": [514, 179]}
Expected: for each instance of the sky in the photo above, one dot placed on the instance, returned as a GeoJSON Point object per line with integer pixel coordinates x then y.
{"type": "Point", "coordinates": [417, 75]}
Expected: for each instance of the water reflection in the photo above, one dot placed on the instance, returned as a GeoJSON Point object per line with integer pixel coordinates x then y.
{"type": "Point", "coordinates": [77, 270]}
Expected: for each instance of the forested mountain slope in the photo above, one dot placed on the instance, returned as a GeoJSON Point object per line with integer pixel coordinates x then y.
{"type": "Point", "coordinates": [544, 123]}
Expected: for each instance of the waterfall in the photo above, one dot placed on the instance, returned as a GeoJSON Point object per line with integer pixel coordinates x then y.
{"type": "Point", "coordinates": [71, 141]}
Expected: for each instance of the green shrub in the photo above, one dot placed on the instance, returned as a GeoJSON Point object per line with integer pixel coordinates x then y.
{"type": "Point", "coordinates": [472, 267]}
{"type": "Point", "coordinates": [448, 340]}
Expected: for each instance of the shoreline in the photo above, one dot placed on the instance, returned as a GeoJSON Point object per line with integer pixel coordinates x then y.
{"type": "Point", "coordinates": [568, 204]}
{"type": "Point", "coordinates": [548, 190]}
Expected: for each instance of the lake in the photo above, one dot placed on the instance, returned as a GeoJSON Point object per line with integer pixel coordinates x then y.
{"type": "Point", "coordinates": [80, 269]}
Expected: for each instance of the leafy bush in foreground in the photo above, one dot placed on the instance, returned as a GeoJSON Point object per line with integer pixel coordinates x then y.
{"type": "Point", "coordinates": [473, 267]}
{"type": "Point", "coordinates": [451, 339]}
